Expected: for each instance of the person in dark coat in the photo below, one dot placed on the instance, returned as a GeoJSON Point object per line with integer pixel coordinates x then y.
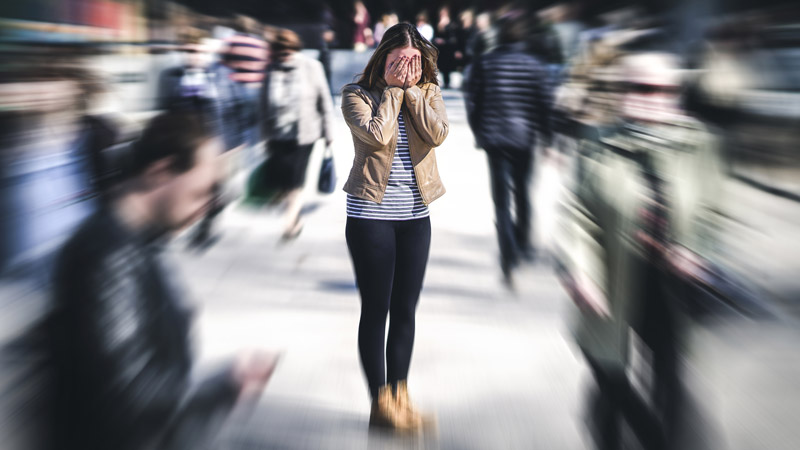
{"type": "Point", "coordinates": [118, 334]}
{"type": "Point", "coordinates": [507, 108]}
{"type": "Point", "coordinates": [445, 38]}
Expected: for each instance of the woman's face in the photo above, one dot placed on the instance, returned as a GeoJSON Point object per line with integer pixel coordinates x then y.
{"type": "Point", "coordinates": [397, 53]}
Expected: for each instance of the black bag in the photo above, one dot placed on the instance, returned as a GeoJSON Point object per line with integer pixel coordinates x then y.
{"type": "Point", "coordinates": [327, 174]}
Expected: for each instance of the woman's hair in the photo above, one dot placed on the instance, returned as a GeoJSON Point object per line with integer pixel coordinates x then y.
{"type": "Point", "coordinates": [400, 36]}
{"type": "Point", "coordinates": [286, 39]}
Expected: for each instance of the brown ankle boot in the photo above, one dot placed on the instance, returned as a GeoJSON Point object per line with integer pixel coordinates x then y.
{"type": "Point", "coordinates": [384, 410]}
{"type": "Point", "coordinates": [413, 416]}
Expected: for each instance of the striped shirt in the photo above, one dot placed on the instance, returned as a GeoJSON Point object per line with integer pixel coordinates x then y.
{"type": "Point", "coordinates": [247, 56]}
{"type": "Point", "coordinates": [402, 200]}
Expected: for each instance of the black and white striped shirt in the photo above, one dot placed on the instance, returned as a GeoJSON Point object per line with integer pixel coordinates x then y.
{"type": "Point", "coordinates": [402, 200]}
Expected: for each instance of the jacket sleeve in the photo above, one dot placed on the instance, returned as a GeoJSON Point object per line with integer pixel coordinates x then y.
{"type": "Point", "coordinates": [144, 385]}
{"type": "Point", "coordinates": [374, 129]}
{"type": "Point", "coordinates": [544, 105]}
{"type": "Point", "coordinates": [429, 117]}
{"type": "Point", "coordinates": [474, 95]}
{"type": "Point", "coordinates": [263, 106]}
{"type": "Point", "coordinates": [324, 101]}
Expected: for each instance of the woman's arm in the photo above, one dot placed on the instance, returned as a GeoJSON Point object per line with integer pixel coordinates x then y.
{"type": "Point", "coordinates": [324, 102]}
{"type": "Point", "coordinates": [429, 117]}
{"type": "Point", "coordinates": [374, 129]}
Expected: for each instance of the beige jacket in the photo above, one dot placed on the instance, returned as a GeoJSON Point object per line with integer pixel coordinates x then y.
{"type": "Point", "coordinates": [372, 118]}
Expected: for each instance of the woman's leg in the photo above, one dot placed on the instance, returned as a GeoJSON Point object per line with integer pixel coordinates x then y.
{"type": "Point", "coordinates": [413, 244]}
{"type": "Point", "coordinates": [292, 220]}
{"type": "Point", "coordinates": [372, 249]}
{"type": "Point", "coordinates": [294, 196]}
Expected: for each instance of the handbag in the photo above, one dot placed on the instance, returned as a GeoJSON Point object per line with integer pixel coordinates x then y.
{"type": "Point", "coordinates": [262, 187]}
{"type": "Point", "coordinates": [327, 173]}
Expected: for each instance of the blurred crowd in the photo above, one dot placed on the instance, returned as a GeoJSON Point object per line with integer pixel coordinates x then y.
{"type": "Point", "coordinates": [673, 128]}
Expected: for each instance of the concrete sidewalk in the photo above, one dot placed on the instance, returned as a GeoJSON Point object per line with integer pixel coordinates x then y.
{"type": "Point", "coordinates": [497, 369]}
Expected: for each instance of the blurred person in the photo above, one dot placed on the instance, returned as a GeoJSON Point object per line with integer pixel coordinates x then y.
{"type": "Point", "coordinates": [237, 77]}
{"type": "Point", "coordinates": [327, 39]}
{"type": "Point", "coordinates": [682, 171]}
{"type": "Point", "coordinates": [640, 248]}
{"type": "Point", "coordinates": [223, 93]}
{"type": "Point", "coordinates": [246, 54]}
{"type": "Point", "coordinates": [98, 132]}
{"type": "Point", "coordinates": [567, 26]}
{"type": "Point", "coordinates": [484, 38]}
{"type": "Point", "coordinates": [397, 117]}
{"type": "Point", "coordinates": [362, 37]}
{"type": "Point", "coordinates": [387, 21]}
{"type": "Point", "coordinates": [446, 40]}
{"type": "Point", "coordinates": [297, 110]}
{"type": "Point", "coordinates": [424, 27]}
{"type": "Point", "coordinates": [465, 32]}
{"type": "Point", "coordinates": [118, 335]}
{"type": "Point", "coordinates": [191, 86]}
{"type": "Point", "coordinates": [54, 169]}
{"type": "Point", "coordinates": [507, 106]}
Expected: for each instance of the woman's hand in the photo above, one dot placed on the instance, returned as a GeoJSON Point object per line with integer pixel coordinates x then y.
{"type": "Point", "coordinates": [396, 74]}
{"type": "Point", "coordinates": [414, 72]}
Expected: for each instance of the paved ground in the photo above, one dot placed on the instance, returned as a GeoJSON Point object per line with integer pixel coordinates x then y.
{"type": "Point", "coordinates": [496, 369]}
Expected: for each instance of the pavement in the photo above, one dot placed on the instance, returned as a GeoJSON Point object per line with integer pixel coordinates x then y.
{"type": "Point", "coordinates": [496, 368]}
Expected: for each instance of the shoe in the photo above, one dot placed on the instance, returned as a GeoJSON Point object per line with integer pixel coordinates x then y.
{"type": "Point", "coordinates": [413, 416]}
{"type": "Point", "coordinates": [528, 254]}
{"type": "Point", "coordinates": [292, 234]}
{"type": "Point", "coordinates": [384, 412]}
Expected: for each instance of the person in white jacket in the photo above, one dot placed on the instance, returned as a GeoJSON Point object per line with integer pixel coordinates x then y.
{"type": "Point", "coordinates": [296, 111]}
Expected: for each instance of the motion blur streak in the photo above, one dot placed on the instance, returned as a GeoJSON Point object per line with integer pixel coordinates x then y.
{"type": "Point", "coordinates": [618, 270]}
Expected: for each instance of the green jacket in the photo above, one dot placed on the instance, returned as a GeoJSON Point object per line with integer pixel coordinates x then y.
{"type": "Point", "coordinates": [603, 213]}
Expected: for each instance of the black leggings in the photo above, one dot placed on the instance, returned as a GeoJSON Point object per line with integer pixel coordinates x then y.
{"type": "Point", "coordinates": [389, 258]}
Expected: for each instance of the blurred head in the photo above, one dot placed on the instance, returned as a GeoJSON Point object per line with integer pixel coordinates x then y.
{"type": "Point", "coordinates": [422, 18]}
{"type": "Point", "coordinates": [512, 27]}
{"type": "Point", "coordinates": [285, 44]}
{"type": "Point", "coordinates": [483, 21]}
{"type": "Point", "coordinates": [174, 165]}
{"type": "Point", "coordinates": [467, 18]}
{"type": "Point", "coordinates": [245, 24]}
{"type": "Point", "coordinates": [402, 39]}
{"type": "Point", "coordinates": [194, 50]}
{"type": "Point", "coordinates": [652, 86]}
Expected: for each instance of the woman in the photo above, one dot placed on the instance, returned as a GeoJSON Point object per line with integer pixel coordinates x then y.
{"type": "Point", "coordinates": [297, 111]}
{"type": "Point", "coordinates": [396, 116]}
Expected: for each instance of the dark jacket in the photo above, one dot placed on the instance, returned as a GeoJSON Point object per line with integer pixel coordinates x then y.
{"type": "Point", "coordinates": [119, 342]}
{"type": "Point", "coordinates": [508, 99]}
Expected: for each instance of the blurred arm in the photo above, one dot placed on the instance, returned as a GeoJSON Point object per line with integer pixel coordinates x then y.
{"type": "Point", "coordinates": [374, 129]}
{"type": "Point", "coordinates": [429, 119]}
{"type": "Point", "coordinates": [474, 94]}
{"type": "Point", "coordinates": [324, 102]}
{"type": "Point", "coordinates": [544, 106]}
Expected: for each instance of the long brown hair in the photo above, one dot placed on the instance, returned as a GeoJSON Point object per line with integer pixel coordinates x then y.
{"type": "Point", "coordinates": [400, 36]}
